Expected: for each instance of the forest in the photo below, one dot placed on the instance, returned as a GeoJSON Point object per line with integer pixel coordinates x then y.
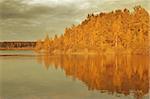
{"type": "Point", "coordinates": [14, 45]}
{"type": "Point", "coordinates": [119, 31]}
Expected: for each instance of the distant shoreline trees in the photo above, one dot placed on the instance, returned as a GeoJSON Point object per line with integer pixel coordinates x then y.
{"type": "Point", "coordinates": [119, 31]}
{"type": "Point", "coordinates": [17, 45]}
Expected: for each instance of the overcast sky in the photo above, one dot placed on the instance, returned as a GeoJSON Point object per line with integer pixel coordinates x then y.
{"type": "Point", "coordinates": [33, 19]}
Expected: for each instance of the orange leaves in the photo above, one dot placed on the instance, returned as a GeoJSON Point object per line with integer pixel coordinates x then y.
{"type": "Point", "coordinates": [105, 32]}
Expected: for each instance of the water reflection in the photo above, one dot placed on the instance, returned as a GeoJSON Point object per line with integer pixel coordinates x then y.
{"type": "Point", "coordinates": [123, 74]}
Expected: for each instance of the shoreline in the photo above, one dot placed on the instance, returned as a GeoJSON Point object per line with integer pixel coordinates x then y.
{"type": "Point", "coordinates": [64, 53]}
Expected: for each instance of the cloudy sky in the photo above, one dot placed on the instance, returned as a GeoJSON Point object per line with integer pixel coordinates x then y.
{"type": "Point", "coordinates": [33, 19]}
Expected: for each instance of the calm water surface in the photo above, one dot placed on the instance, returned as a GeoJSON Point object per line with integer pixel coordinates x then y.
{"type": "Point", "coordinates": [73, 77]}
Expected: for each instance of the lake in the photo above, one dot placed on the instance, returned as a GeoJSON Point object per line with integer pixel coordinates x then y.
{"type": "Point", "coordinates": [25, 75]}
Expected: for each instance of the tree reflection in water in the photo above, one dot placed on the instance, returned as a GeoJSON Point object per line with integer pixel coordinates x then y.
{"type": "Point", "coordinates": [123, 74]}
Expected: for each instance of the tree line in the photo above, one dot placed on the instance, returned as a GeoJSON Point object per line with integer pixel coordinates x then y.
{"type": "Point", "coordinates": [17, 45]}
{"type": "Point", "coordinates": [119, 31]}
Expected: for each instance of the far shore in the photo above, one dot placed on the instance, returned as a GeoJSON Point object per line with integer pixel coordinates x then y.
{"type": "Point", "coordinates": [16, 48]}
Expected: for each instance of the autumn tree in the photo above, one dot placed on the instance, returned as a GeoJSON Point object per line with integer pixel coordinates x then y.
{"type": "Point", "coordinates": [119, 31]}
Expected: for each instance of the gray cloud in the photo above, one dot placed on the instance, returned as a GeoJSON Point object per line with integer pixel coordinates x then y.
{"type": "Point", "coordinates": [19, 9]}
{"type": "Point", "coordinates": [20, 18]}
